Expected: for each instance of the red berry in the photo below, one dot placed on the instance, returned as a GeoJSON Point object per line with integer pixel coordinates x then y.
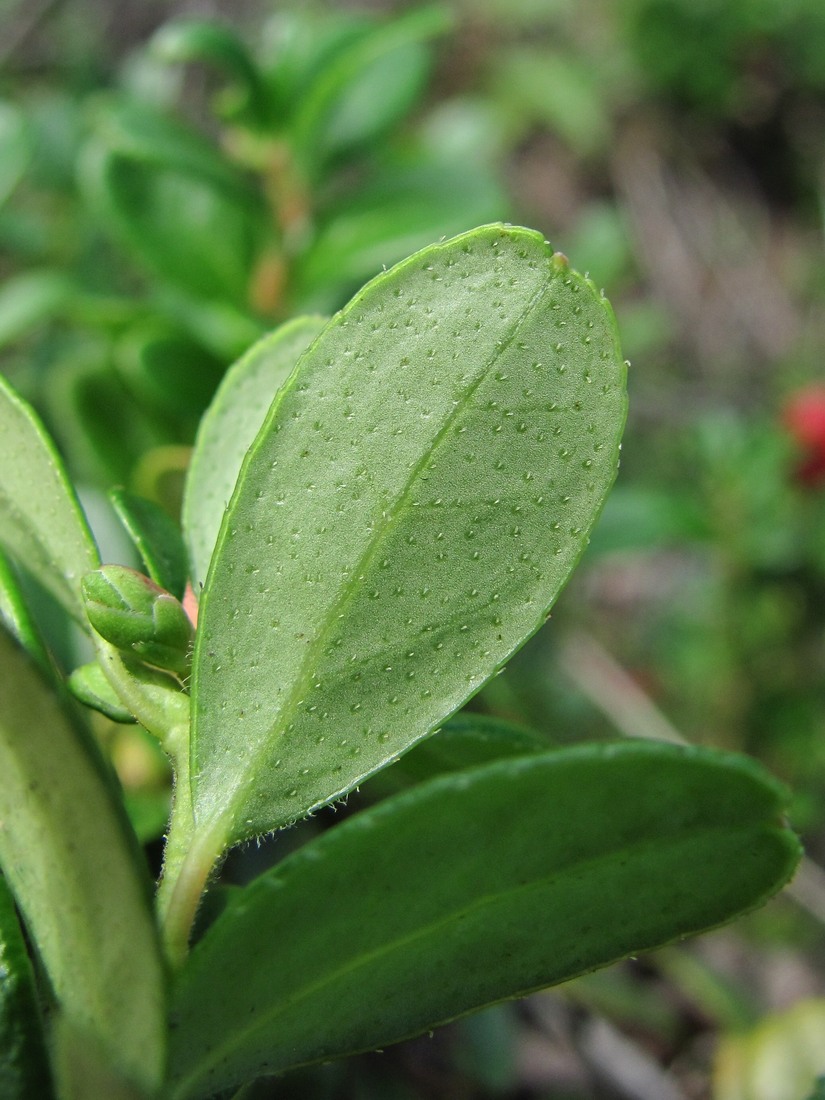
{"type": "Point", "coordinates": [804, 418]}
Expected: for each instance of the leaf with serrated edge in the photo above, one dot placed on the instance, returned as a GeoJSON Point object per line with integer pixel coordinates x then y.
{"type": "Point", "coordinates": [421, 489]}
{"type": "Point", "coordinates": [228, 429]}
{"type": "Point", "coordinates": [66, 853]}
{"type": "Point", "coordinates": [470, 889]}
{"type": "Point", "coordinates": [42, 525]}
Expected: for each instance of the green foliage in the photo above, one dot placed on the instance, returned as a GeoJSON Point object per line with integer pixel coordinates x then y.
{"type": "Point", "coordinates": [375, 509]}
{"type": "Point", "coordinates": [435, 892]}
{"type": "Point", "coordinates": [421, 488]}
{"type": "Point", "coordinates": [387, 588]}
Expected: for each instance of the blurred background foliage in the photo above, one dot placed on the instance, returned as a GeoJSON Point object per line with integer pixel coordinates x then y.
{"type": "Point", "coordinates": [178, 178]}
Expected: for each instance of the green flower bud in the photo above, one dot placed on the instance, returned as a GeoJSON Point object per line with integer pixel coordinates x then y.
{"type": "Point", "coordinates": [138, 617]}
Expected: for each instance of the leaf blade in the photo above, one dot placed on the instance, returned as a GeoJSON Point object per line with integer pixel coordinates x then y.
{"type": "Point", "coordinates": [67, 855]}
{"type": "Point", "coordinates": [43, 526]}
{"type": "Point", "coordinates": [24, 1073]}
{"type": "Point", "coordinates": [470, 889]}
{"type": "Point", "coordinates": [229, 428]}
{"type": "Point", "coordinates": [405, 486]}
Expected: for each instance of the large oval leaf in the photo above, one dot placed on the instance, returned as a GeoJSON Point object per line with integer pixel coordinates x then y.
{"type": "Point", "coordinates": [66, 853]}
{"type": "Point", "coordinates": [42, 524]}
{"type": "Point", "coordinates": [470, 889]}
{"type": "Point", "coordinates": [419, 493]}
{"type": "Point", "coordinates": [229, 428]}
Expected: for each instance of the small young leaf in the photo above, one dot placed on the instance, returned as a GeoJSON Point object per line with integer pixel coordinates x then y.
{"type": "Point", "coordinates": [421, 489]}
{"type": "Point", "coordinates": [24, 1072]}
{"type": "Point", "coordinates": [229, 428]}
{"type": "Point", "coordinates": [470, 889]}
{"type": "Point", "coordinates": [89, 684]}
{"type": "Point", "coordinates": [156, 537]}
{"type": "Point", "coordinates": [68, 857]}
{"type": "Point", "coordinates": [42, 525]}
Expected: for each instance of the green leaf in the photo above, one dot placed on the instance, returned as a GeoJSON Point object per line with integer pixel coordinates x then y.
{"type": "Point", "coordinates": [400, 209]}
{"type": "Point", "coordinates": [470, 889]}
{"type": "Point", "coordinates": [173, 203]}
{"type": "Point", "coordinates": [167, 371]}
{"type": "Point", "coordinates": [28, 300]}
{"type": "Point", "coordinates": [89, 685]}
{"type": "Point", "coordinates": [466, 741]}
{"type": "Point", "coordinates": [209, 42]}
{"type": "Point", "coordinates": [42, 525]}
{"type": "Point", "coordinates": [15, 615]}
{"type": "Point", "coordinates": [419, 493]}
{"type": "Point", "coordinates": [156, 537]}
{"type": "Point", "coordinates": [15, 148]}
{"type": "Point", "coordinates": [558, 90]}
{"type": "Point", "coordinates": [136, 132]}
{"type": "Point", "coordinates": [368, 85]}
{"type": "Point", "coordinates": [73, 867]}
{"type": "Point", "coordinates": [229, 428]}
{"type": "Point", "coordinates": [24, 1067]}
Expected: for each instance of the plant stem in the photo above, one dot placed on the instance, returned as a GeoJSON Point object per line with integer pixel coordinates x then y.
{"type": "Point", "coordinates": [153, 697]}
{"type": "Point", "coordinates": [188, 862]}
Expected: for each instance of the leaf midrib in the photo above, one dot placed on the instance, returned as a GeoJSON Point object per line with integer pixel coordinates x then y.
{"type": "Point", "coordinates": [587, 866]}
{"type": "Point", "coordinates": [389, 517]}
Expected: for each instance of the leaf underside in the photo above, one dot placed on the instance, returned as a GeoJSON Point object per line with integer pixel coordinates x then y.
{"type": "Point", "coordinates": [470, 889]}
{"type": "Point", "coordinates": [229, 428]}
{"type": "Point", "coordinates": [421, 489]}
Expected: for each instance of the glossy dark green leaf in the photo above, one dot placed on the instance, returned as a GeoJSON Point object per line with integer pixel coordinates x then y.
{"type": "Point", "coordinates": [470, 889]}
{"type": "Point", "coordinates": [136, 132]}
{"type": "Point", "coordinates": [99, 426]}
{"type": "Point", "coordinates": [173, 202]}
{"type": "Point", "coordinates": [42, 525]}
{"type": "Point", "coordinates": [368, 85]}
{"type": "Point", "coordinates": [216, 45]}
{"type": "Point", "coordinates": [229, 428]}
{"type": "Point", "coordinates": [181, 227]}
{"type": "Point", "coordinates": [466, 741]}
{"type": "Point", "coordinates": [168, 371]}
{"type": "Point", "coordinates": [401, 207]}
{"type": "Point", "coordinates": [67, 855]}
{"type": "Point", "coordinates": [419, 493]}
{"type": "Point", "coordinates": [24, 1066]}
{"type": "Point", "coordinates": [156, 537]}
